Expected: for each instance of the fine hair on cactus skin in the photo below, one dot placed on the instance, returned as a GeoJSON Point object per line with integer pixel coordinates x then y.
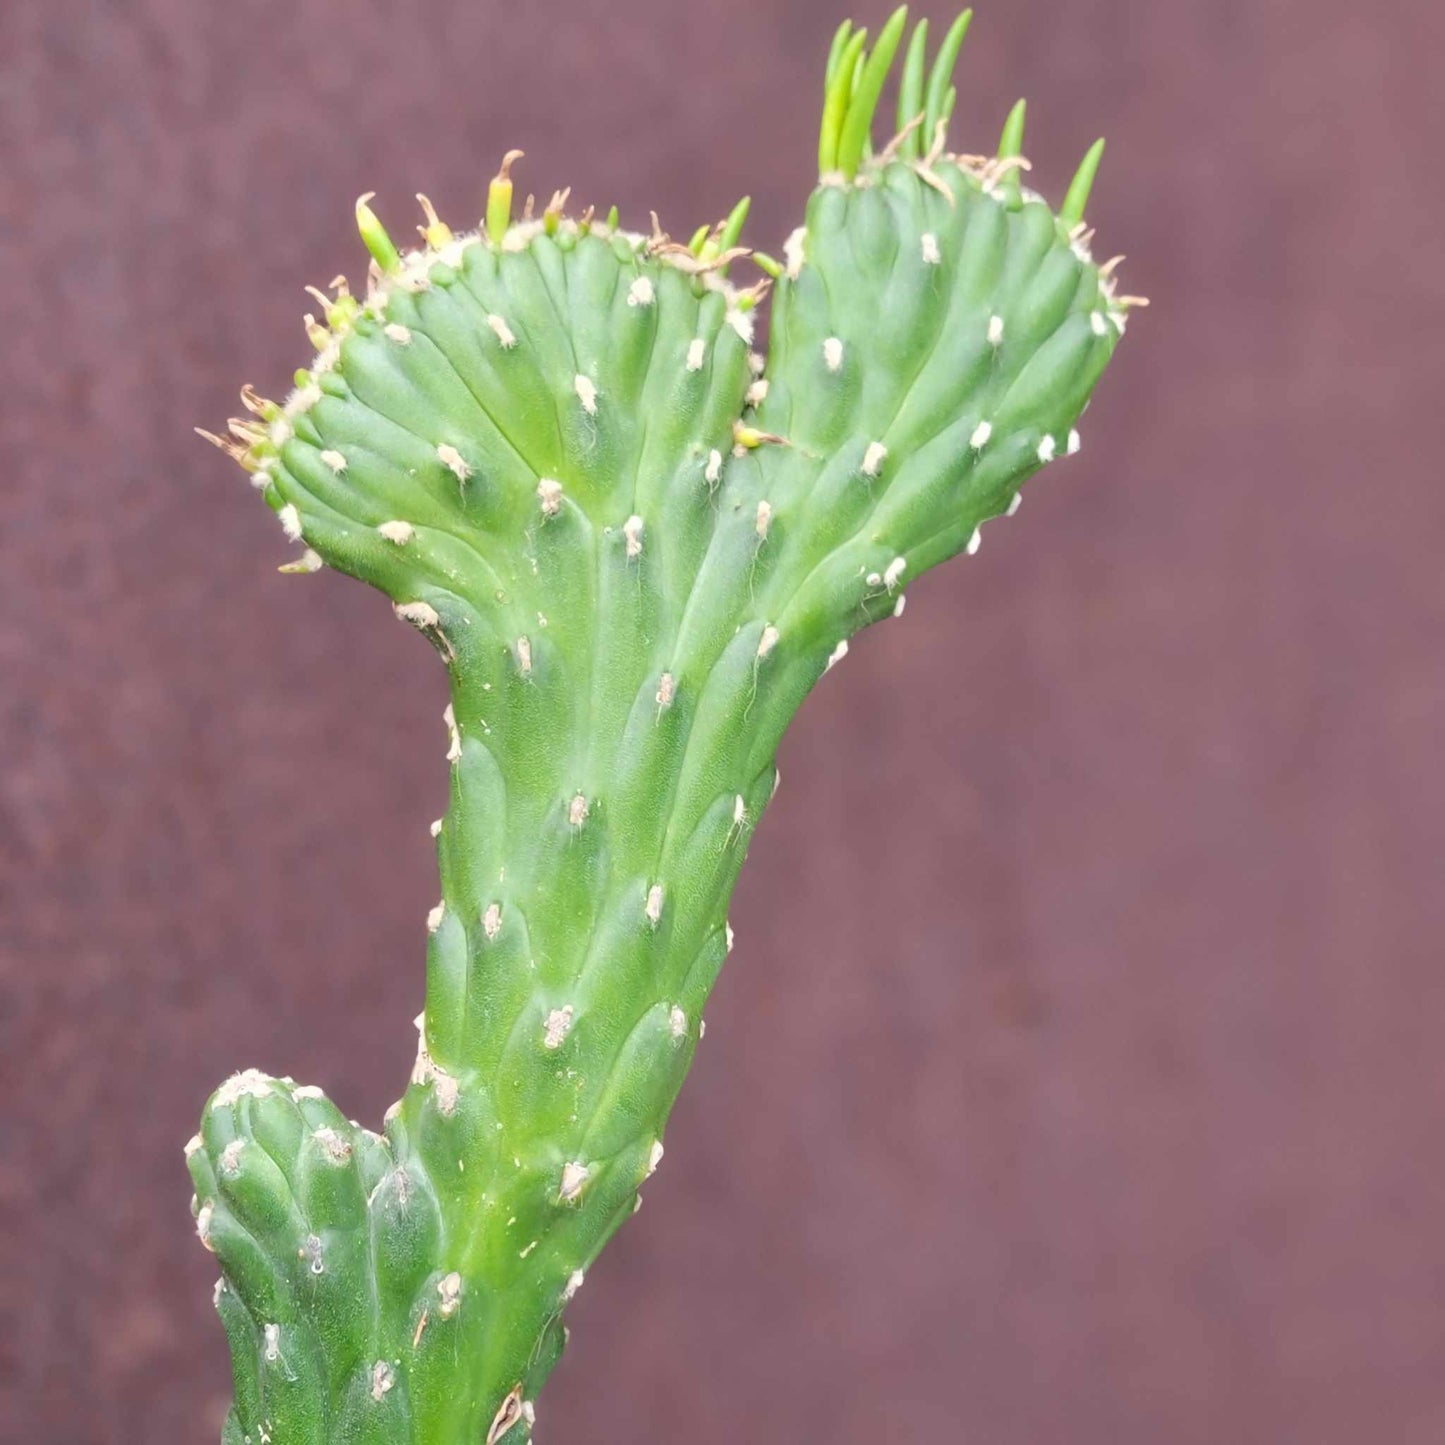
{"type": "Point", "coordinates": [636, 545]}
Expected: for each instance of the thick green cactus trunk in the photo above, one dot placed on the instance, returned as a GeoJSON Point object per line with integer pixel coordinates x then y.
{"type": "Point", "coordinates": [637, 548]}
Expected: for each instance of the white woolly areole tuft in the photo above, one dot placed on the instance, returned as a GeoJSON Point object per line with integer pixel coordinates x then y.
{"type": "Point", "coordinates": [308, 1091]}
{"type": "Point", "coordinates": [230, 1161]}
{"type": "Point", "coordinates": [574, 1177]}
{"type": "Point", "coordinates": [335, 460]}
{"type": "Point", "coordinates": [449, 1292]}
{"type": "Point", "coordinates": [654, 1157]}
{"type": "Point", "coordinates": [203, 1224]}
{"type": "Point", "coordinates": [931, 253]}
{"type": "Point", "coordinates": [556, 1026]}
{"type": "Point", "coordinates": [335, 1149]}
{"type": "Point", "coordinates": [728, 937]}
{"type": "Point", "coordinates": [492, 920]}
{"type": "Point", "coordinates": [524, 655]}
{"type": "Point", "coordinates": [742, 323]}
{"type": "Point", "coordinates": [995, 330]}
{"type": "Point", "coordinates": [586, 391]}
{"type": "Point", "coordinates": [653, 907]}
{"type": "Point", "coordinates": [419, 614]}
{"type": "Point", "coordinates": [712, 469]}
{"type": "Point", "coordinates": [1075, 441]}
{"type": "Point", "coordinates": [313, 1253]}
{"type": "Point", "coordinates": [873, 458]}
{"type": "Point", "coordinates": [1047, 447]}
{"type": "Point", "coordinates": [974, 542]}
{"type": "Point", "coordinates": [833, 354]}
{"type": "Point", "coordinates": [271, 1335]}
{"type": "Point", "coordinates": [740, 811]}
{"type": "Point", "coordinates": [981, 433]}
{"type": "Point", "coordinates": [577, 810]}
{"type": "Point", "coordinates": [893, 572]}
{"type": "Point", "coordinates": [435, 827]}
{"type": "Point", "coordinates": [248, 1084]}
{"type": "Point", "coordinates": [399, 532]}
{"type": "Point", "coordinates": [194, 1145]}
{"type": "Point", "coordinates": [575, 1281]}
{"type": "Point", "coordinates": [502, 331]}
{"type": "Point", "coordinates": [453, 461]}
{"type": "Point", "coordinates": [447, 1089]}
{"type": "Point", "coordinates": [696, 352]}
{"type": "Point", "coordinates": [676, 1022]}
{"type": "Point", "coordinates": [837, 655]}
{"type": "Point", "coordinates": [1099, 322]}
{"type": "Point", "coordinates": [302, 399]}
{"type": "Point", "coordinates": [793, 252]}
{"type": "Point", "coordinates": [640, 293]}
{"type": "Point", "coordinates": [900, 605]}
{"type": "Point", "coordinates": [764, 519]}
{"type": "Point", "coordinates": [757, 393]}
{"type": "Point", "coordinates": [1015, 504]}
{"type": "Point", "coordinates": [434, 917]}
{"type": "Point", "coordinates": [549, 494]}
{"type": "Point", "coordinates": [398, 333]}
{"type": "Point", "coordinates": [308, 561]}
{"type": "Point", "coordinates": [454, 736]}
{"type": "Point", "coordinates": [664, 690]}
{"type": "Point", "coordinates": [382, 1379]}
{"type": "Point", "coordinates": [632, 531]}
{"type": "Point", "coordinates": [768, 640]}
{"type": "Point", "coordinates": [290, 520]}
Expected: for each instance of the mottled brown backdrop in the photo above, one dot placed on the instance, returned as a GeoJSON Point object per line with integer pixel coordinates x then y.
{"type": "Point", "coordinates": [1078, 1074]}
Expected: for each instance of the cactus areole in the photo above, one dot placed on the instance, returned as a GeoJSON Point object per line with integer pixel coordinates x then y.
{"type": "Point", "coordinates": [636, 544]}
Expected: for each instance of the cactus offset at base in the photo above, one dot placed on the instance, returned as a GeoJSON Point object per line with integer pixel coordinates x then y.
{"type": "Point", "coordinates": [636, 546]}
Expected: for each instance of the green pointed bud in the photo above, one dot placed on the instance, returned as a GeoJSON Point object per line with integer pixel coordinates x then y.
{"type": "Point", "coordinates": [1011, 143]}
{"type": "Point", "coordinates": [614, 218]}
{"type": "Point", "coordinates": [768, 265]}
{"type": "Point", "coordinates": [373, 235]}
{"type": "Point", "coordinates": [941, 77]}
{"type": "Point", "coordinates": [699, 240]}
{"type": "Point", "coordinates": [910, 92]}
{"type": "Point", "coordinates": [1072, 211]}
{"type": "Point", "coordinates": [499, 199]}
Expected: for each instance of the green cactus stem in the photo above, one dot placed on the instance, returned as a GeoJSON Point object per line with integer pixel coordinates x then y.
{"type": "Point", "coordinates": [636, 545]}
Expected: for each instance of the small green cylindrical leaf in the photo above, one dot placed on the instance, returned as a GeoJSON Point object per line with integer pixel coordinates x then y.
{"type": "Point", "coordinates": [1077, 199]}
{"type": "Point", "coordinates": [910, 91]}
{"type": "Point", "coordinates": [1011, 143]}
{"type": "Point", "coordinates": [374, 236]}
{"type": "Point", "coordinates": [835, 102]}
{"type": "Point", "coordinates": [858, 122]}
{"type": "Point", "coordinates": [941, 76]}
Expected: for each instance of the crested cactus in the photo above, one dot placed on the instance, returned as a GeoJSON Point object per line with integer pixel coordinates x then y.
{"type": "Point", "coordinates": [636, 545]}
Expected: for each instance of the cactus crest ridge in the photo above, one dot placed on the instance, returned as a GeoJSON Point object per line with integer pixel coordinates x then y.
{"type": "Point", "coordinates": [637, 544]}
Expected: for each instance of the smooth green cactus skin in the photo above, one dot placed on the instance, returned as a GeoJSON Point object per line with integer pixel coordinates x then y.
{"type": "Point", "coordinates": [636, 549]}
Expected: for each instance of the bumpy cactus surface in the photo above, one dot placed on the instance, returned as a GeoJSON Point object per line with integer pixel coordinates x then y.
{"type": "Point", "coordinates": [636, 545]}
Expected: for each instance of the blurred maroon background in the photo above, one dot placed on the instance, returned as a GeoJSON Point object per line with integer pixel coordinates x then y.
{"type": "Point", "coordinates": [1078, 1074]}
